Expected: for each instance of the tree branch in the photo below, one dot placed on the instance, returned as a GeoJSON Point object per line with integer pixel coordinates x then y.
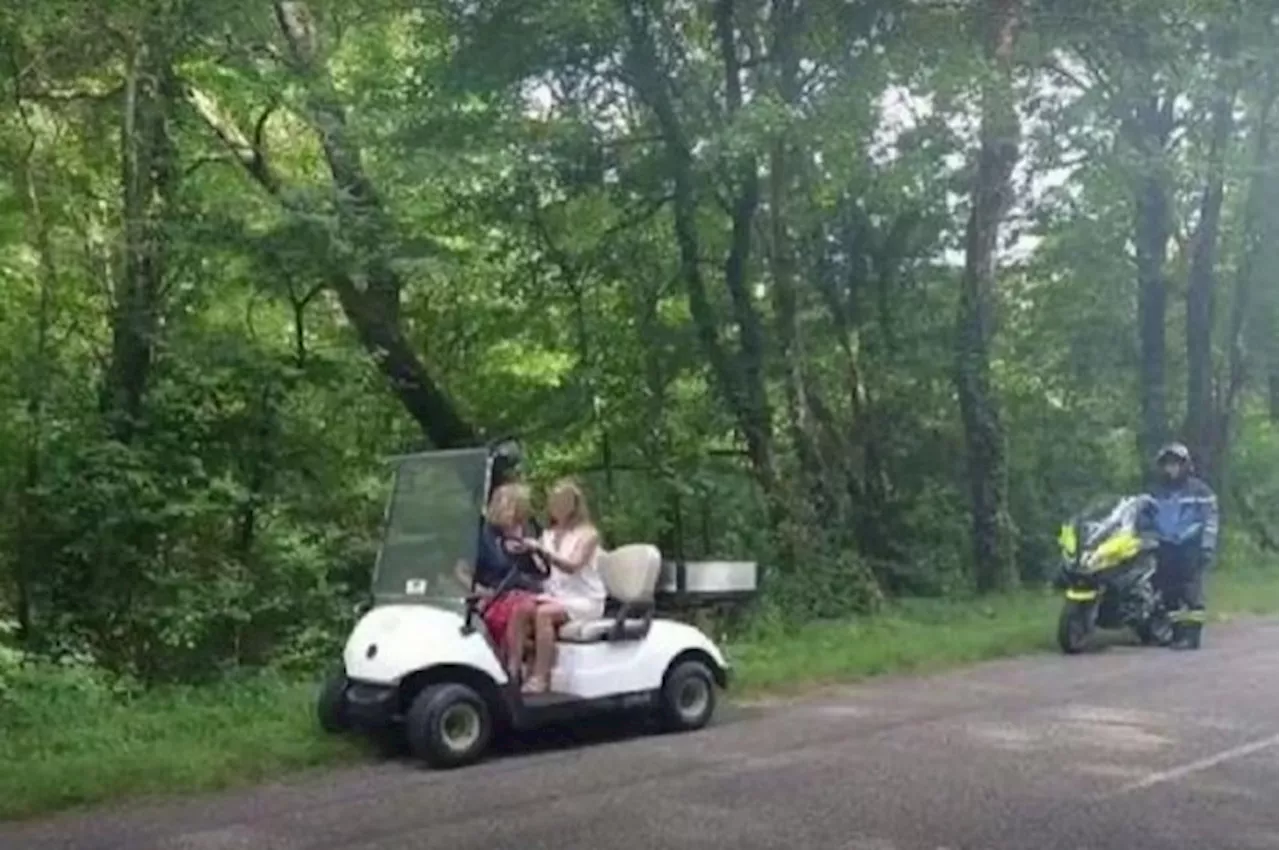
{"type": "Point", "coordinates": [68, 95]}
{"type": "Point", "coordinates": [249, 155]}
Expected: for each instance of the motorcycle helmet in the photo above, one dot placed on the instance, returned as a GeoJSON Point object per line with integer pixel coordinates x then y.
{"type": "Point", "coordinates": [1173, 461]}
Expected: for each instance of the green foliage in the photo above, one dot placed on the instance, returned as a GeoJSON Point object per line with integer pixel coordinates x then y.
{"type": "Point", "coordinates": [516, 186]}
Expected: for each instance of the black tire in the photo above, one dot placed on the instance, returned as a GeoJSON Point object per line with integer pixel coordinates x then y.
{"type": "Point", "coordinates": [331, 704]}
{"type": "Point", "coordinates": [1074, 627]}
{"type": "Point", "coordinates": [1157, 631]}
{"type": "Point", "coordinates": [448, 725]}
{"type": "Point", "coordinates": [688, 697]}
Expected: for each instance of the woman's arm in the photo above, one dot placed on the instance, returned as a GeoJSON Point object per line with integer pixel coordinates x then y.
{"type": "Point", "coordinates": [492, 560]}
{"type": "Point", "coordinates": [577, 558]}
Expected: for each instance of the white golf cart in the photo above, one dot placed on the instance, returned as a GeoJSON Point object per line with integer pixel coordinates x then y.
{"type": "Point", "coordinates": [421, 663]}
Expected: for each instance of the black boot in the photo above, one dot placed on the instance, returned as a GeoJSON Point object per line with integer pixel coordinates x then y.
{"type": "Point", "coordinates": [1186, 635]}
{"type": "Point", "coordinates": [1193, 635]}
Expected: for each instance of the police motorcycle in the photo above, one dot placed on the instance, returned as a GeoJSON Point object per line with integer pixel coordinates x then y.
{"type": "Point", "coordinates": [1108, 576]}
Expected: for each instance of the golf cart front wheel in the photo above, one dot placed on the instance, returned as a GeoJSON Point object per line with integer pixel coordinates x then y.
{"type": "Point", "coordinates": [448, 725]}
{"type": "Point", "coordinates": [331, 705]}
{"type": "Point", "coordinates": [688, 697]}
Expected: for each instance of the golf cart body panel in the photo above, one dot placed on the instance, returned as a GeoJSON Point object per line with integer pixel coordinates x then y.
{"type": "Point", "coordinates": [392, 641]}
{"type": "Point", "coordinates": [593, 670]}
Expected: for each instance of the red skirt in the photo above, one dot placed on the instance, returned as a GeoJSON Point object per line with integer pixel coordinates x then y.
{"type": "Point", "coordinates": [498, 613]}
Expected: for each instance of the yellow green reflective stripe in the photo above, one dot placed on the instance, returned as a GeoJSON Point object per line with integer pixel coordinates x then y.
{"type": "Point", "coordinates": [1185, 616]}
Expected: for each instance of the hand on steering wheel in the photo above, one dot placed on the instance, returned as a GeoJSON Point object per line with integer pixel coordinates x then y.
{"type": "Point", "coordinates": [531, 547]}
{"type": "Point", "coordinates": [540, 564]}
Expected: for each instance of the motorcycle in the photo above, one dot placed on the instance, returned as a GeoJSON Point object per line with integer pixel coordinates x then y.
{"type": "Point", "coordinates": [1108, 577]}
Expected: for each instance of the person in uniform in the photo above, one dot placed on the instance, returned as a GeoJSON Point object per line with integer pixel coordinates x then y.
{"type": "Point", "coordinates": [1183, 515]}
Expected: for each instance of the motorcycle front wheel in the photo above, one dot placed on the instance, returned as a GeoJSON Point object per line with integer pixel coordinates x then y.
{"type": "Point", "coordinates": [1074, 625]}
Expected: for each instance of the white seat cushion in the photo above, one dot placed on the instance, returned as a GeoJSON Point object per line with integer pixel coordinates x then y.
{"type": "Point", "coordinates": [630, 572]}
{"type": "Point", "coordinates": [630, 576]}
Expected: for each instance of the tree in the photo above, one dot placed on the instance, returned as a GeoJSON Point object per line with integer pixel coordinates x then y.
{"type": "Point", "coordinates": [990, 198]}
{"type": "Point", "coordinates": [362, 275]}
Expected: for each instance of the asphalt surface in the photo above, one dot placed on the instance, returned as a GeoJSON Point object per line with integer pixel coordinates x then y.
{"type": "Point", "coordinates": [1130, 749]}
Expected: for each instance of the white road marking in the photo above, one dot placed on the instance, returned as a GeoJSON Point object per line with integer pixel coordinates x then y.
{"type": "Point", "coordinates": [1203, 764]}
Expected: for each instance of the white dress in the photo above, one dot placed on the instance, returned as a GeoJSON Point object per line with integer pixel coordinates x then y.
{"type": "Point", "coordinates": [581, 593]}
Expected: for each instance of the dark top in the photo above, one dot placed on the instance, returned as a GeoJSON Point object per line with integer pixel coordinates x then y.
{"type": "Point", "coordinates": [493, 562]}
{"type": "Point", "coordinates": [1182, 513]}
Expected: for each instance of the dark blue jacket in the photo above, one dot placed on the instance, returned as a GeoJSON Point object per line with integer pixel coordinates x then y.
{"type": "Point", "coordinates": [493, 563]}
{"type": "Point", "coordinates": [1182, 514]}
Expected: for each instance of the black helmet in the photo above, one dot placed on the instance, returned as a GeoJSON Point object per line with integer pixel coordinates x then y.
{"type": "Point", "coordinates": [506, 457]}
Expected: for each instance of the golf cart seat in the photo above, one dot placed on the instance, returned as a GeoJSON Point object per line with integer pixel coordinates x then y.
{"type": "Point", "coordinates": [630, 576]}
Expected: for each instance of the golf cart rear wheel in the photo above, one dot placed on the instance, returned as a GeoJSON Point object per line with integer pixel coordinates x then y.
{"type": "Point", "coordinates": [448, 725]}
{"type": "Point", "coordinates": [331, 705]}
{"type": "Point", "coordinates": [688, 697]}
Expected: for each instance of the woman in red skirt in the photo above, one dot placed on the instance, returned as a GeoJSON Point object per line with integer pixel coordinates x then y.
{"type": "Point", "coordinates": [503, 549]}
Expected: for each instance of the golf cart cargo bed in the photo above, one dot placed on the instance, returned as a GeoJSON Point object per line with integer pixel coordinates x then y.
{"type": "Point", "coordinates": [709, 581]}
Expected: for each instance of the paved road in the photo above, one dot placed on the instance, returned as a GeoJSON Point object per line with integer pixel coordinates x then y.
{"type": "Point", "coordinates": [1127, 749]}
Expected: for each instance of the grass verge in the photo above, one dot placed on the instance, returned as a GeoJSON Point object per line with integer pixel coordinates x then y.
{"type": "Point", "coordinates": [67, 741]}
{"type": "Point", "coordinates": [918, 635]}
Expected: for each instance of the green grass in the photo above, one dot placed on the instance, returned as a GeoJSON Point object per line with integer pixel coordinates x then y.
{"type": "Point", "coordinates": [71, 740]}
{"type": "Point", "coordinates": [101, 747]}
{"type": "Point", "coordinates": [918, 635]}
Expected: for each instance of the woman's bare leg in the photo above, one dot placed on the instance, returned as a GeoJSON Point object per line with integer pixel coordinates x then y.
{"type": "Point", "coordinates": [547, 619]}
{"type": "Point", "coordinates": [518, 627]}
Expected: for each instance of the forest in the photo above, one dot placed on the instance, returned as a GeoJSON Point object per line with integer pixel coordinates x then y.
{"type": "Point", "coordinates": [873, 293]}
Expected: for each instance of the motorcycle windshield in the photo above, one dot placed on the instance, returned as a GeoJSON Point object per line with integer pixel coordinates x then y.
{"type": "Point", "coordinates": [1107, 518]}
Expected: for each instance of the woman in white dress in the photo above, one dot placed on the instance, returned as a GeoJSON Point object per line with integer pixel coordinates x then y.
{"type": "Point", "coordinates": [575, 590]}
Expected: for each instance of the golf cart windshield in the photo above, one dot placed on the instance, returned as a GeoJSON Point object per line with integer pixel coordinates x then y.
{"type": "Point", "coordinates": [432, 523]}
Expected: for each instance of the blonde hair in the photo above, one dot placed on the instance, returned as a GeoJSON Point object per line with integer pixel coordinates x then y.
{"type": "Point", "coordinates": [509, 505]}
{"type": "Point", "coordinates": [579, 514]}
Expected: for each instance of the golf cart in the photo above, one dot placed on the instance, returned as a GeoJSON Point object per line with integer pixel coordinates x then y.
{"type": "Point", "coordinates": [421, 664]}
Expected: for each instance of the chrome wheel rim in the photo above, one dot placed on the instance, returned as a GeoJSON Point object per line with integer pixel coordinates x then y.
{"type": "Point", "coordinates": [692, 698]}
{"type": "Point", "coordinates": [460, 727]}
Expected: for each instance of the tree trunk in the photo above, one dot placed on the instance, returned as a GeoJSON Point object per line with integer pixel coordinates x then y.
{"type": "Point", "coordinates": [1152, 227]}
{"type": "Point", "coordinates": [1148, 130]}
{"type": "Point", "coordinates": [755, 415]}
{"type": "Point", "coordinates": [738, 376]}
{"type": "Point", "coordinates": [785, 165]}
{"type": "Point", "coordinates": [30, 553]}
{"type": "Point", "coordinates": [1200, 428]}
{"type": "Point", "coordinates": [994, 567]}
{"type": "Point", "coordinates": [379, 332]}
{"type": "Point", "coordinates": [1259, 239]}
{"type": "Point", "coordinates": [148, 179]}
